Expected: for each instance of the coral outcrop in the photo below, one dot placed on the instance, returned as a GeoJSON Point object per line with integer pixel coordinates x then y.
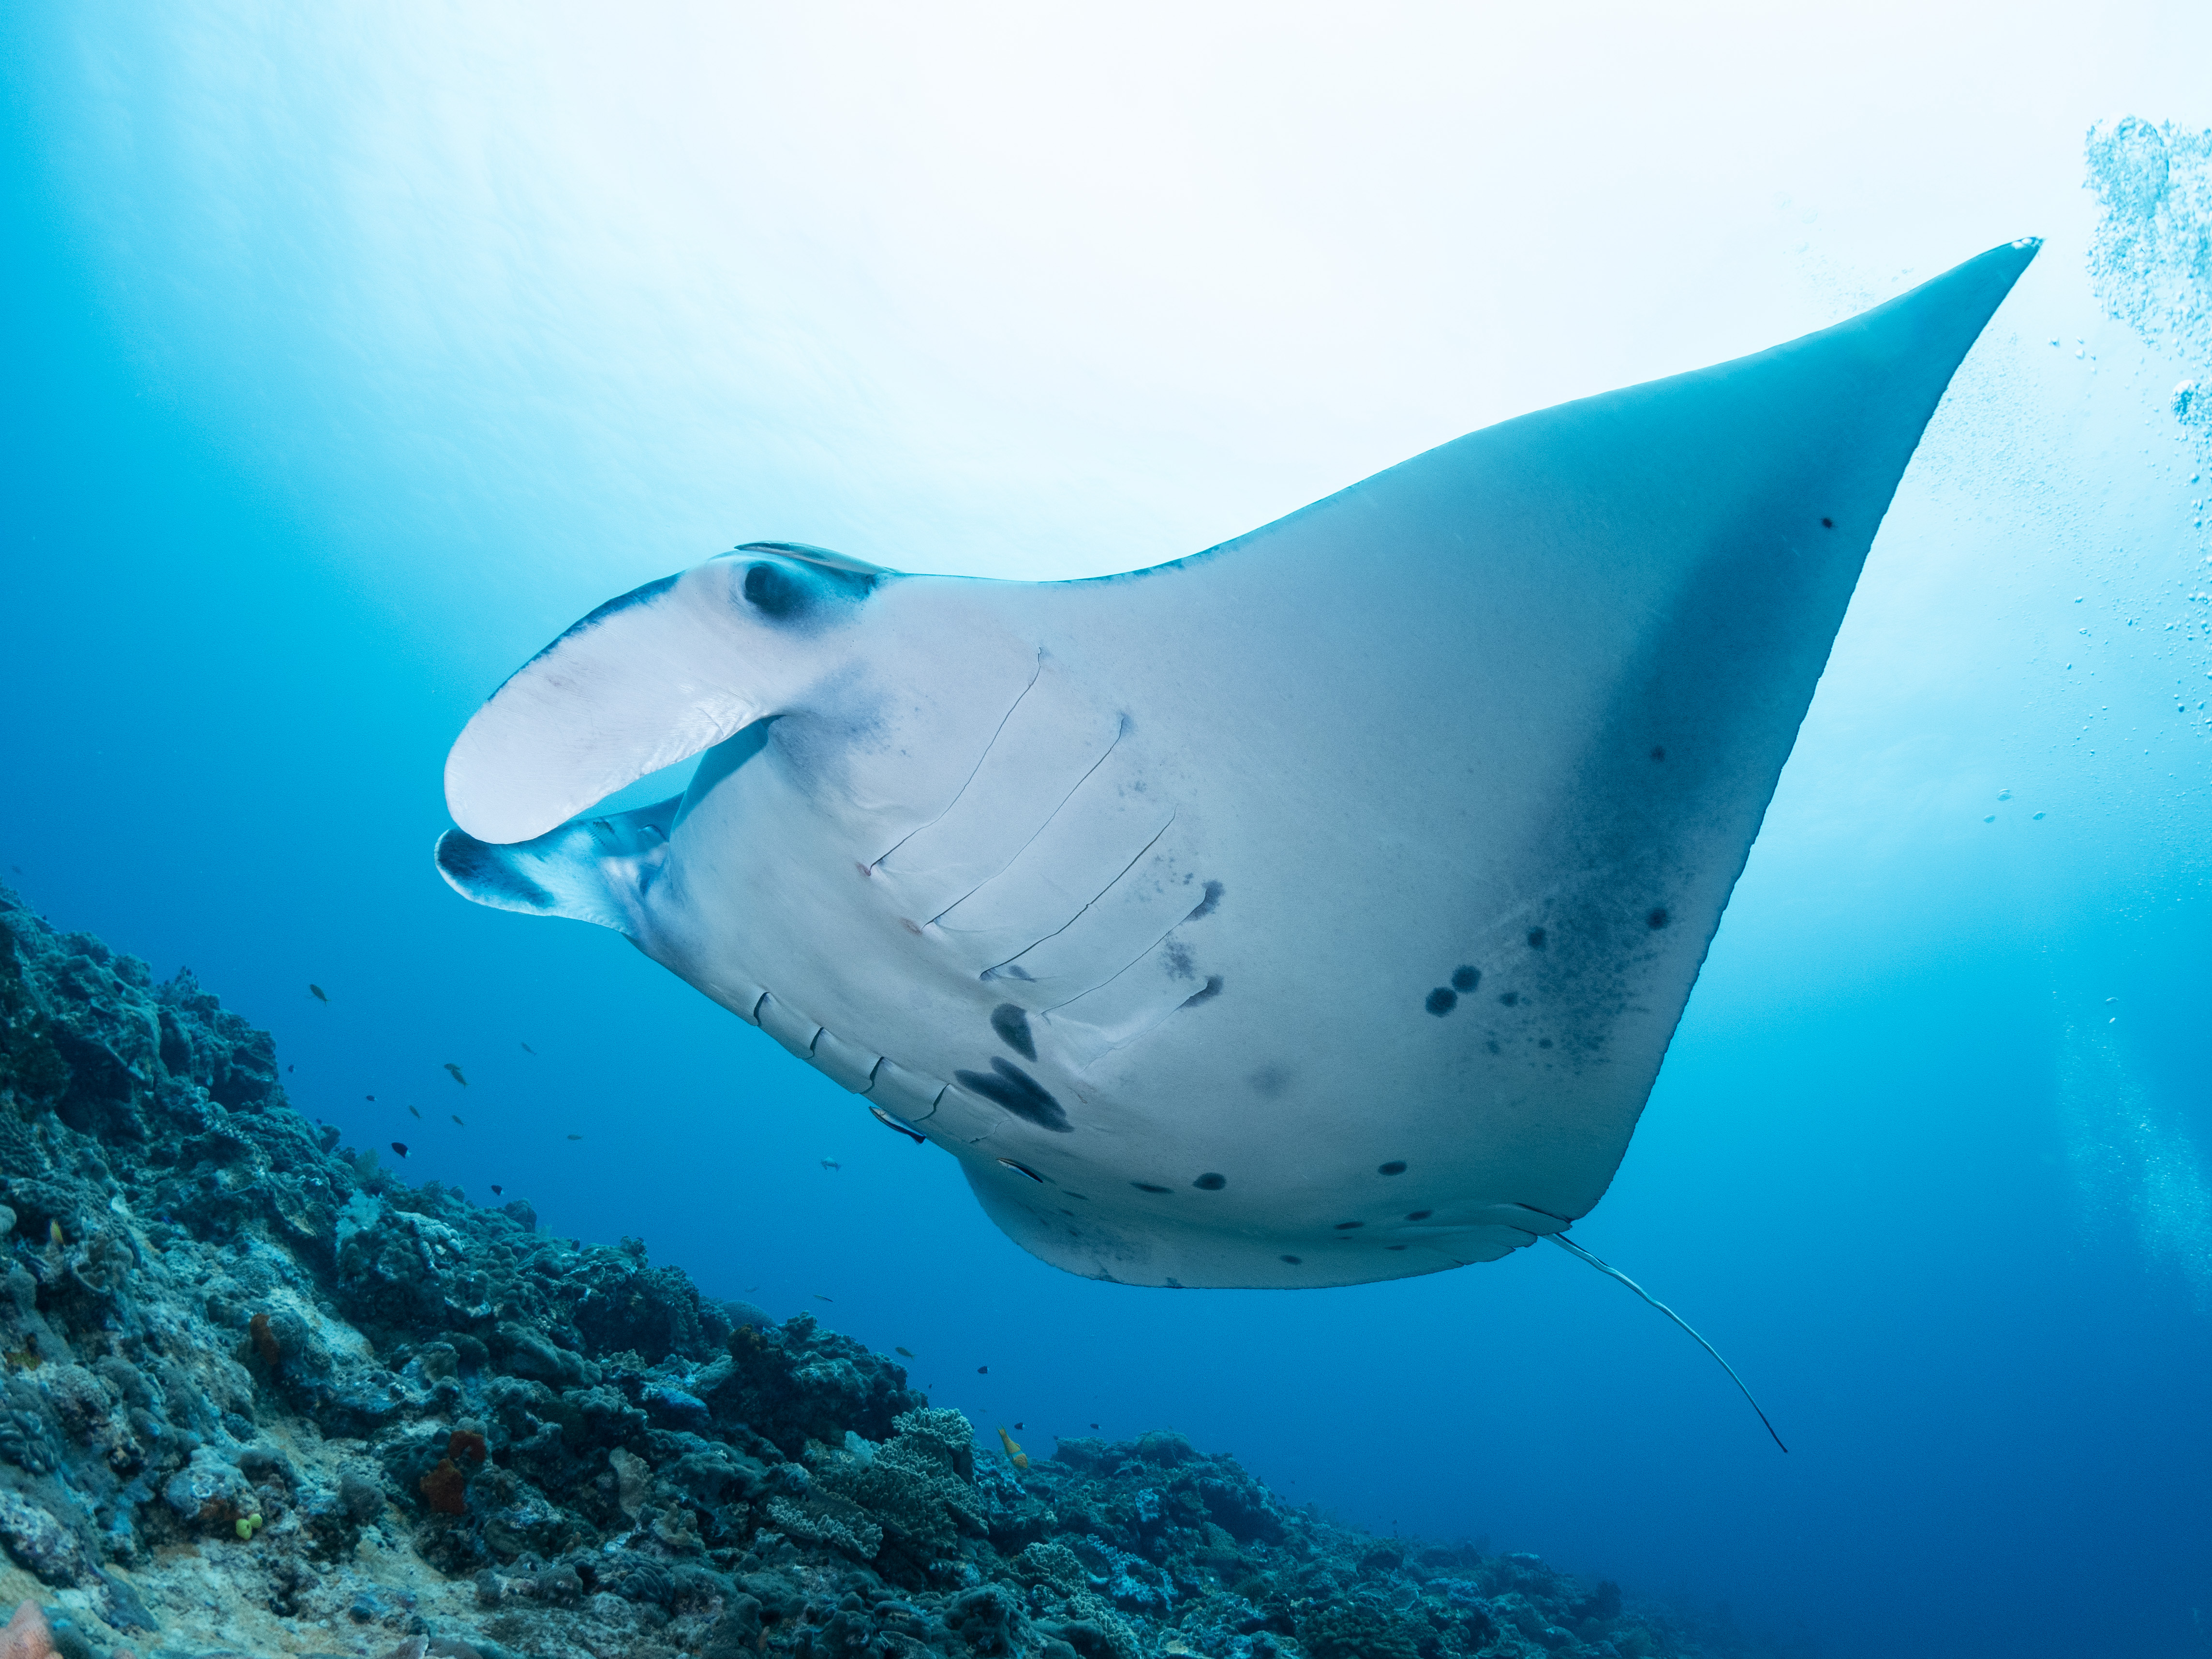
{"type": "Point", "coordinates": [262, 1397]}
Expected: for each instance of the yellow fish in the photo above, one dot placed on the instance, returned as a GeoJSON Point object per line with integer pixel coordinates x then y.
{"type": "Point", "coordinates": [1015, 1455]}
{"type": "Point", "coordinates": [54, 1232]}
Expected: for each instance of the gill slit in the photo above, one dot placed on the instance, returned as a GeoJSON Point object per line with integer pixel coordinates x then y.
{"type": "Point", "coordinates": [1035, 674]}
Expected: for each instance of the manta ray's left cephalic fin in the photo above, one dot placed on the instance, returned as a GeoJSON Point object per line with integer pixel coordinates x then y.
{"type": "Point", "coordinates": [594, 870]}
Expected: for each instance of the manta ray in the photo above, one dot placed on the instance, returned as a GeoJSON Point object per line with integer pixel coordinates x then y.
{"type": "Point", "coordinates": [1312, 910]}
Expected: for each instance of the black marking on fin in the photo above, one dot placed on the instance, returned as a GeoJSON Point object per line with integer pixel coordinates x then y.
{"type": "Point", "coordinates": [1007, 1085]}
{"type": "Point", "coordinates": [1206, 993]}
{"type": "Point", "coordinates": [1209, 904]}
{"type": "Point", "coordinates": [639, 595]}
{"type": "Point", "coordinates": [479, 867]}
{"type": "Point", "coordinates": [771, 590]}
{"type": "Point", "coordinates": [1011, 1022]}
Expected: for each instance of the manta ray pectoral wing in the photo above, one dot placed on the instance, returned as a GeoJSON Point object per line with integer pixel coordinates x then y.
{"type": "Point", "coordinates": [1313, 910]}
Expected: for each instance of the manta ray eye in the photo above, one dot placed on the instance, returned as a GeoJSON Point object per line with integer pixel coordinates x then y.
{"type": "Point", "coordinates": [774, 591]}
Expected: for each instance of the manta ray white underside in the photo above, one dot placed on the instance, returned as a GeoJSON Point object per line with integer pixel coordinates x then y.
{"type": "Point", "coordinates": [1313, 910]}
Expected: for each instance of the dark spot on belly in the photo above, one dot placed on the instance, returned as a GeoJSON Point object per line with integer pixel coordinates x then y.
{"type": "Point", "coordinates": [1146, 1187]}
{"type": "Point", "coordinates": [1543, 1042]}
{"type": "Point", "coordinates": [1658, 754]}
{"type": "Point", "coordinates": [1535, 938]}
{"type": "Point", "coordinates": [1656, 918]}
{"type": "Point", "coordinates": [1179, 963]}
{"type": "Point", "coordinates": [1465, 979]}
{"type": "Point", "coordinates": [1011, 1023]}
{"type": "Point", "coordinates": [1491, 1045]}
{"type": "Point", "coordinates": [1395, 1166]}
{"type": "Point", "coordinates": [1394, 1247]}
{"type": "Point", "coordinates": [1211, 1182]}
{"type": "Point", "coordinates": [1346, 1226]}
{"type": "Point", "coordinates": [1207, 905]}
{"type": "Point", "coordinates": [1827, 524]}
{"type": "Point", "coordinates": [1022, 1169]}
{"type": "Point", "coordinates": [1172, 1284]}
{"type": "Point", "coordinates": [1510, 998]}
{"type": "Point", "coordinates": [1007, 1085]}
{"type": "Point", "coordinates": [1441, 1000]}
{"type": "Point", "coordinates": [911, 927]}
{"type": "Point", "coordinates": [1418, 1215]}
{"type": "Point", "coordinates": [1295, 1261]}
{"type": "Point", "coordinates": [1269, 1081]}
{"type": "Point", "coordinates": [1206, 992]}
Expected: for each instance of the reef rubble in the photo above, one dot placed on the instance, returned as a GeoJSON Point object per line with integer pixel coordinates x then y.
{"type": "Point", "coordinates": [262, 1397]}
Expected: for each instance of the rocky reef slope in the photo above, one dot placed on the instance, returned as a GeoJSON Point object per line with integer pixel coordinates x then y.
{"type": "Point", "coordinates": [261, 1397]}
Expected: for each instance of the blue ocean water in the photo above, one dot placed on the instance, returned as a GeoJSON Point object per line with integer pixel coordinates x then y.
{"type": "Point", "coordinates": [1930, 1160]}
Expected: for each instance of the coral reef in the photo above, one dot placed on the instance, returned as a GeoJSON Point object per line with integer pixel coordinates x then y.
{"type": "Point", "coordinates": [261, 1397]}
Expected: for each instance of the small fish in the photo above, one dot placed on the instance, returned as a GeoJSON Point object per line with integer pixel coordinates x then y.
{"type": "Point", "coordinates": [368, 1096]}
{"type": "Point", "coordinates": [456, 1117]}
{"type": "Point", "coordinates": [831, 1164]}
{"type": "Point", "coordinates": [528, 1049]}
{"type": "Point", "coordinates": [318, 991]}
{"type": "Point", "coordinates": [1015, 1455]}
{"type": "Point", "coordinates": [905, 1351]}
{"type": "Point", "coordinates": [412, 1112]}
{"type": "Point", "coordinates": [456, 1071]}
{"type": "Point", "coordinates": [982, 1370]}
{"type": "Point", "coordinates": [497, 1190]}
{"type": "Point", "coordinates": [818, 1296]}
{"type": "Point", "coordinates": [400, 1147]}
{"type": "Point", "coordinates": [1093, 1425]}
{"type": "Point", "coordinates": [1018, 1426]}
{"type": "Point", "coordinates": [54, 1232]}
{"type": "Point", "coordinates": [575, 1137]}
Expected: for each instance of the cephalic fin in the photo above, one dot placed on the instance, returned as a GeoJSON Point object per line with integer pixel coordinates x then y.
{"type": "Point", "coordinates": [594, 870]}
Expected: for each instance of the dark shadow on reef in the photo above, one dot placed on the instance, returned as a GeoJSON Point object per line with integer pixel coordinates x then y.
{"type": "Point", "coordinates": [262, 1397]}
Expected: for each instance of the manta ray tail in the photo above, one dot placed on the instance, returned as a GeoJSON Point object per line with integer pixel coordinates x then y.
{"type": "Point", "coordinates": [1611, 1272]}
